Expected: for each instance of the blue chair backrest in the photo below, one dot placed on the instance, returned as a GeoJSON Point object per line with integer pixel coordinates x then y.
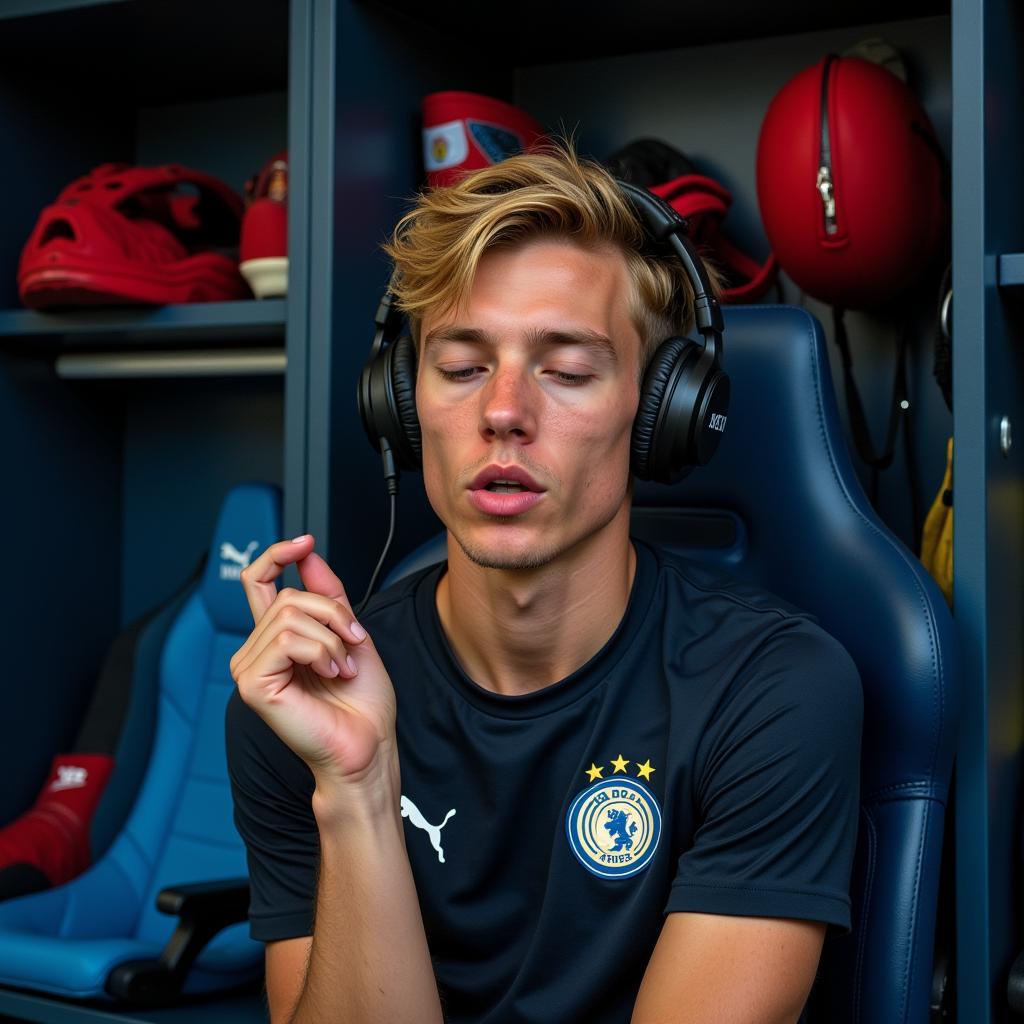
{"type": "Point", "coordinates": [184, 811]}
{"type": "Point", "coordinates": [66, 940]}
{"type": "Point", "coordinates": [781, 506]}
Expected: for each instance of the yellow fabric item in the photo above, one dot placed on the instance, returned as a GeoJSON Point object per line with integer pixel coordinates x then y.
{"type": "Point", "coordinates": [937, 536]}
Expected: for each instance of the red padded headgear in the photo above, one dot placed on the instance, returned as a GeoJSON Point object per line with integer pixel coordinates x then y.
{"type": "Point", "coordinates": [865, 126]}
{"type": "Point", "coordinates": [703, 202]}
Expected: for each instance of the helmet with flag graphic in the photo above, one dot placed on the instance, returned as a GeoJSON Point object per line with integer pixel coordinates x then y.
{"type": "Point", "coordinates": [466, 130]}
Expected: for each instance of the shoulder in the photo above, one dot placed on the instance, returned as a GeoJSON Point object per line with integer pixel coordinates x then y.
{"type": "Point", "coordinates": [758, 639]}
{"type": "Point", "coordinates": [704, 582]}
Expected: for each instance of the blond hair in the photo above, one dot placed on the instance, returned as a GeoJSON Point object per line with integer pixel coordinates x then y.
{"type": "Point", "coordinates": [550, 191]}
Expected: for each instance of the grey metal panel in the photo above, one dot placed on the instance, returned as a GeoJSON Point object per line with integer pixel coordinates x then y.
{"type": "Point", "coordinates": [301, 89]}
{"type": "Point", "coordinates": [320, 269]}
{"type": "Point", "coordinates": [973, 946]}
{"type": "Point", "coordinates": [988, 552]}
{"type": "Point", "coordinates": [1011, 270]}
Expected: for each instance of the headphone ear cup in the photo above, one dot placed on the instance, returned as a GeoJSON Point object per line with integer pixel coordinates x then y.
{"type": "Point", "coordinates": [403, 383]}
{"type": "Point", "coordinates": [659, 373]}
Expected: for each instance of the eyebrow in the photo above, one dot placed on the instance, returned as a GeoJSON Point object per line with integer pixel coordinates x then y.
{"type": "Point", "coordinates": [535, 338]}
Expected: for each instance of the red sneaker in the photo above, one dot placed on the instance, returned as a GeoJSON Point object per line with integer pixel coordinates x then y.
{"type": "Point", "coordinates": [127, 235]}
{"type": "Point", "coordinates": [264, 246]}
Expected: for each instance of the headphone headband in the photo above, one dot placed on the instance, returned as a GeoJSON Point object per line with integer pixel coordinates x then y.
{"type": "Point", "coordinates": [667, 228]}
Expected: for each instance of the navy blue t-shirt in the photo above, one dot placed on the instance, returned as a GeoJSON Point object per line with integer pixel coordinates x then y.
{"type": "Point", "coordinates": [705, 759]}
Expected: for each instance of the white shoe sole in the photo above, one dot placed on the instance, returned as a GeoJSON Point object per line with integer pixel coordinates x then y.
{"type": "Point", "coordinates": [267, 277]}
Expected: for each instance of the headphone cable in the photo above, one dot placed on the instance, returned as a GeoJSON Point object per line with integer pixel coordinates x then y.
{"type": "Point", "coordinates": [391, 482]}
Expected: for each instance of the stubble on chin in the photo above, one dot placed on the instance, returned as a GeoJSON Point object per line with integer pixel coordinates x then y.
{"type": "Point", "coordinates": [545, 551]}
{"type": "Point", "coordinates": [490, 559]}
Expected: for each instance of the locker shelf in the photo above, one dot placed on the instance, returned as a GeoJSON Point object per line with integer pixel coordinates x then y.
{"type": "Point", "coordinates": [187, 322]}
{"type": "Point", "coordinates": [1010, 270]}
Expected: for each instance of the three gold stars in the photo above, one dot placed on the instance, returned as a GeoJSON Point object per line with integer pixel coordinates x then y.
{"type": "Point", "coordinates": [643, 771]}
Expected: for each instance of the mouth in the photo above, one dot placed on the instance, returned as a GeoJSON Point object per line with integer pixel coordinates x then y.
{"type": "Point", "coordinates": [504, 491]}
{"type": "Point", "coordinates": [505, 480]}
{"type": "Point", "coordinates": [505, 487]}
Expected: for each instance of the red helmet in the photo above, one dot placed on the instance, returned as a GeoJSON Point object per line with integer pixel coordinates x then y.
{"type": "Point", "coordinates": [850, 181]}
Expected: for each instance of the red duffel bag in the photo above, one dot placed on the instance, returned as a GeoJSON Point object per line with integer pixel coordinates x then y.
{"type": "Point", "coordinates": [850, 181]}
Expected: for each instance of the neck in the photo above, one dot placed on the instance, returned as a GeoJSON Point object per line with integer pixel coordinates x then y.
{"type": "Point", "coordinates": [516, 631]}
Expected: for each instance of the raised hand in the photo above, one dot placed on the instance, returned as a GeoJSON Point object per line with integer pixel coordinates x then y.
{"type": "Point", "coordinates": [309, 670]}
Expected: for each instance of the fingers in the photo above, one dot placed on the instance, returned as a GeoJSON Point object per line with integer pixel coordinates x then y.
{"type": "Point", "coordinates": [327, 621]}
{"type": "Point", "coordinates": [259, 575]}
{"type": "Point", "coordinates": [293, 637]}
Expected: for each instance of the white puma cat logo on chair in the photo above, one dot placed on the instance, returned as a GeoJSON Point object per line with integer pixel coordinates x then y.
{"type": "Point", "coordinates": [228, 550]}
{"type": "Point", "coordinates": [412, 812]}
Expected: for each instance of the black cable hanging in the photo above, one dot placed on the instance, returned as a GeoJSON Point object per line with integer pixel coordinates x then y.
{"type": "Point", "coordinates": [909, 449]}
{"type": "Point", "coordinates": [898, 406]}
{"type": "Point", "coordinates": [391, 482]}
{"type": "Point", "coordinates": [380, 561]}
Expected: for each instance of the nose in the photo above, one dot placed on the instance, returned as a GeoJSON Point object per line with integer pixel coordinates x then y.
{"type": "Point", "coordinates": [508, 405]}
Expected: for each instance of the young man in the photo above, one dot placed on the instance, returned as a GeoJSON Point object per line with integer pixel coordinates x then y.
{"type": "Point", "coordinates": [565, 776]}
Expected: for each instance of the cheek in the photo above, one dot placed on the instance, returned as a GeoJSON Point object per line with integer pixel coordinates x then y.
{"type": "Point", "coordinates": [436, 481]}
{"type": "Point", "coordinates": [442, 432]}
{"type": "Point", "coordinates": [605, 438]}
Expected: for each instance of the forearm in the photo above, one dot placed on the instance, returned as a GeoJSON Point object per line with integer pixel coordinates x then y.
{"type": "Point", "coordinates": [369, 960]}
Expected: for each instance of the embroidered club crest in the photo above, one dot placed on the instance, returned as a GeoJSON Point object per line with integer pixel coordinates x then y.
{"type": "Point", "coordinates": [613, 827]}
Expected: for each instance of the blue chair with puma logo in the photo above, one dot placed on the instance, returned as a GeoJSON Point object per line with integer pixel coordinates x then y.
{"type": "Point", "coordinates": [781, 506]}
{"type": "Point", "coordinates": [163, 914]}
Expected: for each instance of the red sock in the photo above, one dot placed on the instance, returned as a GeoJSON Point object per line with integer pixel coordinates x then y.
{"type": "Point", "coordinates": [53, 835]}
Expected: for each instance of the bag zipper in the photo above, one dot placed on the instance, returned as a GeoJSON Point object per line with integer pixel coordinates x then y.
{"type": "Point", "coordinates": [823, 183]}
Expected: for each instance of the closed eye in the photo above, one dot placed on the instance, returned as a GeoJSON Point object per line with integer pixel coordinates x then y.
{"type": "Point", "coordinates": [457, 374]}
{"type": "Point", "coordinates": [571, 379]}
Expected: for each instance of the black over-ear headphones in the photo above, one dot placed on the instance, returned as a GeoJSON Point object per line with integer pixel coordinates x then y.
{"type": "Point", "coordinates": [684, 398]}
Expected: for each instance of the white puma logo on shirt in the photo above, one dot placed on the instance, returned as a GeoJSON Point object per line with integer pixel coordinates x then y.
{"type": "Point", "coordinates": [412, 812]}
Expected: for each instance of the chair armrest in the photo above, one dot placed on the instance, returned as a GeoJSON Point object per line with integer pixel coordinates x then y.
{"type": "Point", "coordinates": [227, 898]}
{"type": "Point", "coordinates": [203, 909]}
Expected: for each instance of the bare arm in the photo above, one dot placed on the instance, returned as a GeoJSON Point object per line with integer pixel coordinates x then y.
{"type": "Point", "coordinates": [315, 677]}
{"type": "Point", "coordinates": [286, 962]}
{"type": "Point", "coordinates": [357, 883]}
{"type": "Point", "coordinates": [369, 959]}
{"type": "Point", "coordinates": [730, 970]}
